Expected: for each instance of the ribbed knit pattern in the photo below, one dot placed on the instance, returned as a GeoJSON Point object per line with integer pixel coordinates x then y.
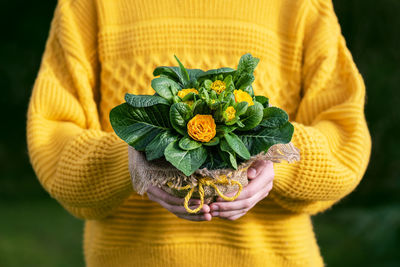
{"type": "Point", "coordinates": [99, 50]}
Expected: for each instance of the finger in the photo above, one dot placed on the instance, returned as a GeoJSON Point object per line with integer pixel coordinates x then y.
{"type": "Point", "coordinates": [227, 214]}
{"type": "Point", "coordinates": [238, 205]}
{"type": "Point", "coordinates": [256, 168]}
{"type": "Point", "coordinates": [260, 183]}
{"type": "Point", "coordinates": [196, 218]}
{"type": "Point", "coordinates": [168, 198]}
{"type": "Point", "coordinates": [177, 209]}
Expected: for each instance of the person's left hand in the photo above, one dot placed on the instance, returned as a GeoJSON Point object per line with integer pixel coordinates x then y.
{"type": "Point", "coordinates": [261, 175]}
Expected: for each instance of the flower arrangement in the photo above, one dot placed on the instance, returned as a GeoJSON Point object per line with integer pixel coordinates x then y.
{"type": "Point", "coordinates": [202, 119]}
{"type": "Point", "coordinates": [208, 124]}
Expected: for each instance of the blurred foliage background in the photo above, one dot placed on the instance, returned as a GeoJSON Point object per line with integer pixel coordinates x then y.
{"type": "Point", "coordinates": [363, 229]}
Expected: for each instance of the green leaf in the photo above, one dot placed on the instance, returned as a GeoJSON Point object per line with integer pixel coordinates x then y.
{"type": "Point", "coordinates": [187, 161]}
{"type": "Point", "coordinates": [228, 80]}
{"type": "Point", "coordinates": [139, 101]}
{"type": "Point", "coordinates": [247, 64]}
{"type": "Point", "coordinates": [214, 72]}
{"type": "Point", "coordinates": [172, 73]}
{"type": "Point", "coordinates": [186, 143]}
{"type": "Point", "coordinates": [155, 149]}
{"type": "Point", "coordinates": [261, 139]}
{"type": "Point", "coordinates": [214, 160]}
{"type": "Point", "coordinates": [252, 117]}
{"type": "Point", "coordinates": [165, 87]}
{"type": "Point", "coordinates": [207, 84]}
{"type": "Point", "coordinates": [138, 126]}
{"type": "Point", "coordinates": [274, 117]}
{"type": "Point", "coordinates": [189, 96]}
{"type": "Point", "coordinates": [241, 108]}
{"type": "Point", "coordinates": [184, 73]}
{"type": "Point", "coordinates": [223, 129]}
{"type": "Point", "coordinates": [262, 100]}
{"type": "Point", "coordinates": [224, 146]}
{"type": "Point", "coordinates": [179, 115]}
{"type": "Point", "coordinates": [212, 142]}
{"type": "Point", "coordinates": [237, 145]}
{"type": "Point", "coordinates": [245, 80]}
{"type": "Point", "coordinates": [200, 107]}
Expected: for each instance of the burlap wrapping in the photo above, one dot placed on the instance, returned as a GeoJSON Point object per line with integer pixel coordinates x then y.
{"type": "Point", "coordinates": [162, 174]}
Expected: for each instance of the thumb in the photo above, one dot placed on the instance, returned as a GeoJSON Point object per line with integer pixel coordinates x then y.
{"type": "Point", "coordinates": [255, 168]}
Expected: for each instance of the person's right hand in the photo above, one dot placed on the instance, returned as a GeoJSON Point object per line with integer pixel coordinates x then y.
{"type": "Point", "coordinates": [175, 205]}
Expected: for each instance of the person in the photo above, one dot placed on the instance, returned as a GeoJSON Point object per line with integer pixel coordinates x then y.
{"type": "Point", "coordinates": [98, 50]}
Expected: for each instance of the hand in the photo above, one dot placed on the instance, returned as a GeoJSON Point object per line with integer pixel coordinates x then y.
{"type": "Point", "coordinates": [261, 175]}
{"type": "Point", "coordinates": [175, 205]}
{"type": "Point", "coordinates": [171, 203]}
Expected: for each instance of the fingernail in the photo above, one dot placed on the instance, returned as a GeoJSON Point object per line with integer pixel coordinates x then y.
{"type": "Point", "coordinates": [252, 172]}
{"type": "Point", "coordinates": [215, 213]}
{"type": "Point", "coordinates": [214, 207]}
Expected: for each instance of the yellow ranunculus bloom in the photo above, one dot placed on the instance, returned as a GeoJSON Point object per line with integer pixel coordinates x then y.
{"type": "Point", "coordinates": [230, 113]}
{"type": "Point", "coordinates": [241, 96]}
{"type": "Point", "coordinates": [182, 93]}
{"type": "Point", "coordinates": [218, 86]}
{"type": "Point", "coordinates": [201, 128]}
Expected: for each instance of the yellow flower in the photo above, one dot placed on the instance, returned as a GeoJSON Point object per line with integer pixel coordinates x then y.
{"type": "Point", "coordinates": [230, 113]}
{"type": "Point", "coordinates": [201, 128]}
{"type": "Point", "coordinates": [241, 96]}
{"type": "Point", "coordinates": [182, 93]}
{"type": "Point", "coordinates": [218, 86]}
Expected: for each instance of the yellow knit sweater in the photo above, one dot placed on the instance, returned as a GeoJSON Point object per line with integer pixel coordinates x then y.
{"type": "Point", "coordinates": [98, 50]}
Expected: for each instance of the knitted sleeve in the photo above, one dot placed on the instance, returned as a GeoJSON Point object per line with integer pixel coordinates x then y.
{"type": "Point", "coordinates": [330, 127]}
{"type": "Point", "coordinates": [83, 167]}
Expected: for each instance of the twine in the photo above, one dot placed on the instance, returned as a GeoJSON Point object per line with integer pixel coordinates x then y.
{"type": "Point", "coordinates": [207, 181]}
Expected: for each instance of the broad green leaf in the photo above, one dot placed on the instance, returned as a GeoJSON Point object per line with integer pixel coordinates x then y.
{"type": "Point", "coordinates": [228, 80]}
{"type": "Point", "coordinates": [165, 87]}
{"type": "Point", "coordinates": [187, 143]}
{"type": "Point", "coordinates": [180, 114]}
{"type": "Point", "coordinates": [194, 73]}
{"type": "Point", "coordinates": [139, 101]}
{"type": "Point", "coordinates": [262, 138]}
{"type": "Point", "coordinates": [187, 161]}
{"type": "Point", "coordinates": [245, 80]}
{"type": "Point", "coordinates": [247, 64]}
{"type": "Point", "coordinates": [224, 146]}
{"type": "Point", "coordinates": [223, 129]}
{"type": "Point", "coordinates": [252, 117]}
{"type": "Point", "coordinates": [214, 72]}
{"type": "Point", "coordinates": [262, 100]}
{"type": "Point", "coordinates": [212, 142]}
{"type": "Point", "coordinates": [172, 73]}
{"type": "Point", "coordinates": [155, 149]}
{"type": "Point", "coordinates": [200, 107]}
{"type": "Point", "coordinates": [241, 108]}
{"type": "Point", "coordinates": [237, 145]}
{"type": "Point", "coordinates": [184, 73]}
{"type": "Point", "coordinates": [138, 126]}
{"type": "Point", "coordinates": [214, 160]}
{"type": "Point", "coordinates": [274, 117]}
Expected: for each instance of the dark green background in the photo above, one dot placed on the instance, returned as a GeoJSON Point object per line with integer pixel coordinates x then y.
{"type": "Point", "coordinates": [363, 229]}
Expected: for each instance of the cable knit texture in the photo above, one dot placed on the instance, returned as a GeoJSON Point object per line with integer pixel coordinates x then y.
{"type": "Point", "coordinates": [98, 50]}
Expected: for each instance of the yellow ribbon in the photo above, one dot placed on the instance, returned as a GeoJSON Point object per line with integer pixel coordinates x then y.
{"type": "Point", "coordinates": [207, 181]}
